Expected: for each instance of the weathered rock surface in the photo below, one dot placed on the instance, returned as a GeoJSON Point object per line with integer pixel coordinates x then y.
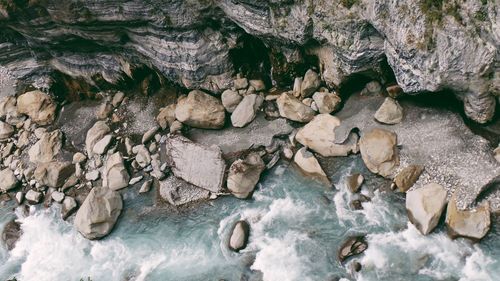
{"type": "Point", "coordinates": [390, 112]}
{"type": "Point", "coordinates": [38, 106]}
{"type": "Point", "coordinates": [293, 109]}
{"type": "Point", "coordinates": [244, 174]}
{"type": "Point", "coordinates": [246, 110]}
{"type": "Point", "coordinates": [239, 236]}
{"type": "Point", "coordinates": [379, 151]}
{"type": "Point", "coordinates": [309, 164]}
{"type": "Point", "coordinates": [53, 174]}
{"type": "Point", "coordinates": [178, 192]}
{"type": "Point", "coordinates": [200, 110]}
{"type": "Point", "coordinates": [425, 205]}
{"type": "Point", "coordinates": [197, 164]}
{"type": "Point", "coordinates": [326, 102]}
{"type": "Point", "coordinates": [8, 180]}
{"type": "Point", "coordinates": [98, 213]}
{"type": "Point", "coordinates": [116, 175]}
{"type": "Point", "coordinates": [405, 179]}
{"type": "Point", "coordinates": [230, 100]}
{"type": "Point", "coordinates": [47, 147]}
{"type": "Point", "coordinates": [473, 224]}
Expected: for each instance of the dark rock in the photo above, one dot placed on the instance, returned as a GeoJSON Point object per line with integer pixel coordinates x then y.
{"type": "Point", "coordinates": [351, 247]}
{"type": "Point", "coordinates": [11, 233]}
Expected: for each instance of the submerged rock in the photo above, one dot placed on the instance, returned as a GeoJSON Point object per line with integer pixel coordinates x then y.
{"type": "Point", "coordinates": [38, 106]}
{"type": "Point", "coordinates": [98, 213]}
{"type": "Point", "coordinates": [244, 174]}
{"type": "Point", "coordinates": [200, 110]}
{"type": "Point", "coordinates": [473, 224]}
{"type": "Point", "coordinates": [246, 110]}
{"type": "Point", "coordinates": [425, 205]}
{"type": "Point", "coordinates": [407, 177]}
{"type": "Point", "coordinates": [390, 112]}
{"type": "Point", "coordinates": [8, 180]}
{"type": "Point", "coordinates": [310, 165]}
{"type": "Point", "coordinates": [351, 247]}
{"type": "Point", "coordinates": [10, 234]}
{"type": "Point", "coordinates": [293, 109]}
{"type": "Point", "coordinates": [379, 151]}
{"type": "Point", "coordinates": [239, 236]}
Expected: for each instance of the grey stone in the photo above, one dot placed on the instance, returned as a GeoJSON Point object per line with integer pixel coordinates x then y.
{"type": "Point", "coordinates": [95, 134]}
{"type": "Point", "coordinates": [310, 83]}
{"type": "Point", "coordinates": [69, 205]}
{"type": "Point", "coordinates": [53, 174]}
{"type": "Point", "coordinates": [102, 145]}
{"type": "Point", "coordinates": [425, 205]}
{"type": "Point", "coordinates": [239, 236]}
{"type": "Point", "coordinates": [8, 180]}
{"type": "Point", "coordinates": [244, 174]}
{"type": "Point", "coordinates": [178, 192]}
{"type": "Point", "coordinates": [116, 175]}
{"type": "Point", "coordinates": [326, 102]}
{"type": "Point", "coordinates": [230, 100]}
{"type": "Point", "coordinates": [246, 110]}
{"type": "Point", "coordinates": [33, 197]}
{"type": "Point", "coordinates": [47, 147]}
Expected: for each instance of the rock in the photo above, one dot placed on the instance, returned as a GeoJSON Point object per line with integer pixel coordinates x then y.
{"type": "Point", "coordinates": [425, 205]}
{"type": "Point", "coordinates": [47, 147]}
{"type": "Point", "coordinates": [326, 102]}
{"type": "Point", "coordinates": [57, 196]}
{"type": "Point", "coordinates": [244, 174]}
{"type": "Point", "coordinates": [79, 158]}
{"type": "Point", "coordinates": [19, 197]}
{"type": "Point", "coordinates": [390, 112]}
{"type": "Point", "coordinates": [297, 85]}
{"type": "Point", "coordinates": [246, 110]}
{"type": "Point", "coordinates": [53, 174]}
{"type": "Point", "coordinates": [197, 164]}
{"type": "Point", "coordinates": [240, 83]}
{"type": "Point", "coordinates": [258, 85]}
{"type": "Point", "coordinates": [379, 151]}
{"type": "Point", "coordinates": [310, 83]}
{"type": "Point", "coordinates": [473, 224]}
{"type": "Point", "coordinates": [149, 134]}
{"type": "Point", "coordinates": [11, 233]}
{"type": "Point", "coordinates": [142, 157]}
{"type": "Point", "coordinates": [6, 130]}
{"type": "Point", "coordinates": [291, 108]}
{"type": "Point", "coordinates": [351, 247]}
{"type": "Point", "coordinates": [95, 134]}
{"type": "Point", "coordinates": [309, 164]}
{"type": "Point", "coordinates": [98, 213]}
{"type": "Point", "coordinates": [166, 116]}
{"type": "Point", "coordinates": [319, 135]}
{"type": "Point", "coordinates": [230, 100]}
{"type": "Point", "coordinates": [135, 180]}
{"type": "Point", "coordinates": [116, 175]}
{"type": "Point", "coordinates": [407, 177]}
{"type": "Point", "coordinates": [200, 110]}
{"type": "Point", "coordinates": [178, 192]}
{"type": "Point", "coordinates": [496, 153]}
{"type": "Point", "coordinates": [93, 175]}
{"type": "Point", "coordinates": [372, 88]}
{"type": "Point", "coordinates": [8, 180]}
{"type": "Point", "coordinates": [146, 186]}
{"type": "Point", "coordinates": [239, 236]}
{"type": "Point", "coordinates": [117, 98]}
{"type": "Point", "coordinates": [38, 106]}
{"type": "Point", "coordinates": [354, 182]}
{"type": "Point", "coordinates": [104, 110]}
{"type": "Point", "coordinates": [288, 153]}
{"type": "Point", "coordinates": [102, 146]}
{"type": "Point", "coordinates": [69, 205]}
{"type": "Point", "coordinates": [307, 101]}
{"type": "Point", "coordinates": [176, 126]}
{"type": "Point", "coordinates": [33, 197]}
{"type": "Point", "coordinates": [394, 91]}
{"type": "Point", "coordinates": [8, 106]}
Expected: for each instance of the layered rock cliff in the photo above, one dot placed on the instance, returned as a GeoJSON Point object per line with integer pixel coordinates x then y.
{"type": "Point", "coordinates": [429, 45]}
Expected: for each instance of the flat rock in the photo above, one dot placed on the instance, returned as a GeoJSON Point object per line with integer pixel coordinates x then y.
{"type": "Point", "coordinates": [239, 236]}
{"type": "Point", "coordinates": [390, 112]}
{"type": "Point", "coordinates": [38, 106]}
{"type": "Point", "coordinates": [200, 110]}
{"type": "Point", "coordinates": [379, 151]}
{"type": "Point", "coordinates": [425, 205]}
{"type": "Point", "coordinates": [306, 161]}
{"type": "Point", "coordinates": [246, 110]}
{"type": "Point", "coordinates": [178, 192]}
{"type": "Point", "coordinates": [291, 108]}
{"type": "Point", "coordinates": [244, 174]}
{"type": "Point", "coordinates": [473, 224]}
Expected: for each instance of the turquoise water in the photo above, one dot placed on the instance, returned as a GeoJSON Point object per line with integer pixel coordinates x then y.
{"type": "Point", "coordinates": [297, 226]}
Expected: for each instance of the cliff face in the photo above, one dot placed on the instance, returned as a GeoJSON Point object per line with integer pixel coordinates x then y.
{"type": "Point", "coordinates": [430, 45]}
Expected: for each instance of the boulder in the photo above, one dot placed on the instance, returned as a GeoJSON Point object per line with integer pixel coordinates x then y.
{"type": "Point", "coordinates": [57, 196]}
{"type": "Point", "coordinates": [496, 153]}
{"type": "Point", "coordinates": [239, 236]}
{"type": "Point", "coordinates": [351, 247]}
{"type": "Point", "coordinates": [240, 83]}
{"type": "Point", "coordinates": [246, 110]}
{"type": "Point", "coordinates": [390, 112]}
{"type": "Point", "coordinates": [98, 213]}
{"type": "Point", "coordinates": [166, 116]}
{"type": "Point", "coordinates": [354, 182]}
{"type": "Point", "coordinates": [473, 224]}
{"type": "Point", "coordinates": [178, 192]}
{"type": "Point", "coordinates": [116, 175]}
{"type": "Point", "coordinates": [95, 134]}
{"type": "Point", "coordinates": [53, 174]}
{"type": "Point", "coordinates": [142, 156]}
{"type": "Point", "coordinates": [197, 164]}
{"type": "Point", "coordinates": [379, 151]}
{"type": "Point", "coordinates": [244, 174]}
{"type": "Point", "coordinates": [11, 233]}
{"type": "Point", "coordinates": [8, 180]}
{"type": "Point", "coordinates": [306, 161]}
{"type": "Point", "coordinates": [405, 179]}
{"type": "Point", "coordinates": [310, 83]}
{"type": "Point", "coordinates": [372, 88]}
{"type": "Point", "coordinates": [8, 106]}
{"type": "Point", "coordinates": [38, 106]}
{"type": "Point", "coordinates": [102, 145]}
{"type": "Point", "coordinates": [33, 197]}
{"type": "Point", "coordinates": [319, 136]}
{"type": "Point", "coordinates": [6, 130]}
{"type": "Point", "coordinates": [326, 102]}
{"type": "Point", "coordinates": [46, 148]}
{"type": "Point", "coordinates": [230, 100]}
{"type": "Point", "coordinates": [79, 158]}
{"type": "Point", "coordinates": [69, 205]}
{"type": "Point", "coordinates": [200, 110]}
{"type": "Point", "coordinates": [291, 108]}
{"type": "Point", "coordinates": [425, 205]}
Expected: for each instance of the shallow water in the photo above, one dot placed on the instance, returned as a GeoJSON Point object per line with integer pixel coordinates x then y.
{"type": "Point", "coordinates": [297, 226]}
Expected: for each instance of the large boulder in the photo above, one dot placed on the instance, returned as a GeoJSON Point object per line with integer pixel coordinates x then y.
{"type": "Point", "coordinates": [95, 134]}
{"type": "Point", "coordinates": [8, 180]}
{"type": "Point", "coordinates": [293, 109]}
{"type": "Point", "coordinates": [11, 233]}
{"type": "Point", "coordinates": [425, 205]}
{"type": "Point", "coordinates": [200, 110]}
{"type": "Point", "coordinates": [53, 174]}
{"type": "Point", "coordinates": [390, 112]}
{"type": "Point", "coordinates": [230, 100]}
{"type": "Point", "coordinates": [98, 213]}
{"type": "Point", "coordinates": [38, 106]}
{"type": "Point", "coordinates": [6, 130]}
{"type": "Point", "coordinates": [197, 164]}
{"type": "Point", "coordinates": [310, 83]}
{"type": "Point", "coordinates": [178, 192]}
{"type": "Point", "coordinates": [116, 175]}
{"type": "Point", "coordinates": [326, 102]}
{"type": "Point", "coordinates": [319, 136]}
{"type": "Point", "coordinates": [246, 110]}
{"type": "Point", "coordinates": [379, 151]}
{"type": "Point", "coordinates": [244, 174]}
{"type": "Point", "coordinates": [405, 179]}
{"type": "Point", "coordinates": [239, 236]}
{"type": "Point", "coordinates": [47, 147]}
{"type": "Point", "coordinates": [473, 224]}
{"type": "Point", "coordinates": [306, 161]}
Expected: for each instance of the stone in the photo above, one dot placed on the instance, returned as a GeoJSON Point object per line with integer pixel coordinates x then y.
{"type": "Point", "coordinates": [142, 157]}
{"type": "Point", "coordinates": [379, 151]}
{"type": "Point", "coordinates": [473, 224]}
{"type": "Point", "coordinates": [23, 139]}
{"type": "Point", "coordinates": [405, 179]}
{"type": "Point", "coordinates": [326, 102]}
{"type": "Point", "coordinates": [69, 205]}
{"type": "Point", "coordinates": [178, 192]}
{"type": "Point", "coordinates": [351, 247]}
{"type": "Point", "coordinates": [46, 148]}
{"type": "Point", "coordinates": [117, 99]}
{"type": "Point", "coordinates": [297, 85]}
{"type": "Point", "coordinates": [98, 213]}
{"type": "Point", "coordinates": [149, 134]}
{"type": "Point", "coordinates": [246, 110]}
{"type": "Point", "coordinates": [176, 126]}
{"type": "Point", "coordinates": [354, 182]}
{"type": "Point", "coordinates": [116, 175]}
{"type": "Point", "coordinates": [240, 83]}
{"type": "Point", "coordinates": [135, 180]}
{"type": "Point", "coordinates": [53, 174]}
{"type": "Point", "coordinates": [372, 88]}
{"type": "Point", "coordinates": [496, 153]}
{"type": "Point", "coordinates": [197, 164]}
{"type": "Point", "coordinates": [319, 136]}
{"type": "Point", "coordinates": [239, 236]}
{"type": "Point", "coordinates": [230, 100]}
{"type": "Point", "coordinates": [57, 196]}
{"type": "Point", "coordinates": [291, 108]}
{"type": "Point", "coordinates": [79, 158]}
{"type": "Point", "coordinates": [307, 101]}
{"type": "Point", "coordinates": [394, 91]}
{"type": "Point", "coordinates": [19, 197]}
{"type": "Point", "coordinates": [8, 106]}
{"type": "Point", "coordinates": [11, 233]}
{"type": "Point", "coordinates": [102, 145]}
{"type": "Point", "coordinates": [93, 175]}
{"type": "Point", "coordinates": [6, 130]}
{"type": "Point", "coordinates": [33, 197]}
{"type": "Point", "coordinates": [8, 180]}
{"type": "Point", "coordinates": [95, 134]}
{"type": "Point", "coordinates": [310, 83]}
{"type": "Point", "coordinates": [104, 110]}
{"type": "Point", "coordinates": [146, 186]}
{"type": "Point", "coordinates": [390, 112]}
{"type": "Point", "coordinates": [244, 174]}
{"type": "Point", "coordinates": [38, 106]}
{"type": "Point", "coordinates": [166, 116]}
{"type": "Point", "coordinates": [425, 205]}
{"type": "Point", "coordinates": [258, 85]}
{"type": "Point", "coordinates": [200, 110]}
{"type": "Point", "coordinates": [306, 161]}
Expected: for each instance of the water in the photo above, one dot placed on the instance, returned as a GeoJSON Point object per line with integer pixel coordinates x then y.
{"type": "Point", "coordinates": [297, 226]}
